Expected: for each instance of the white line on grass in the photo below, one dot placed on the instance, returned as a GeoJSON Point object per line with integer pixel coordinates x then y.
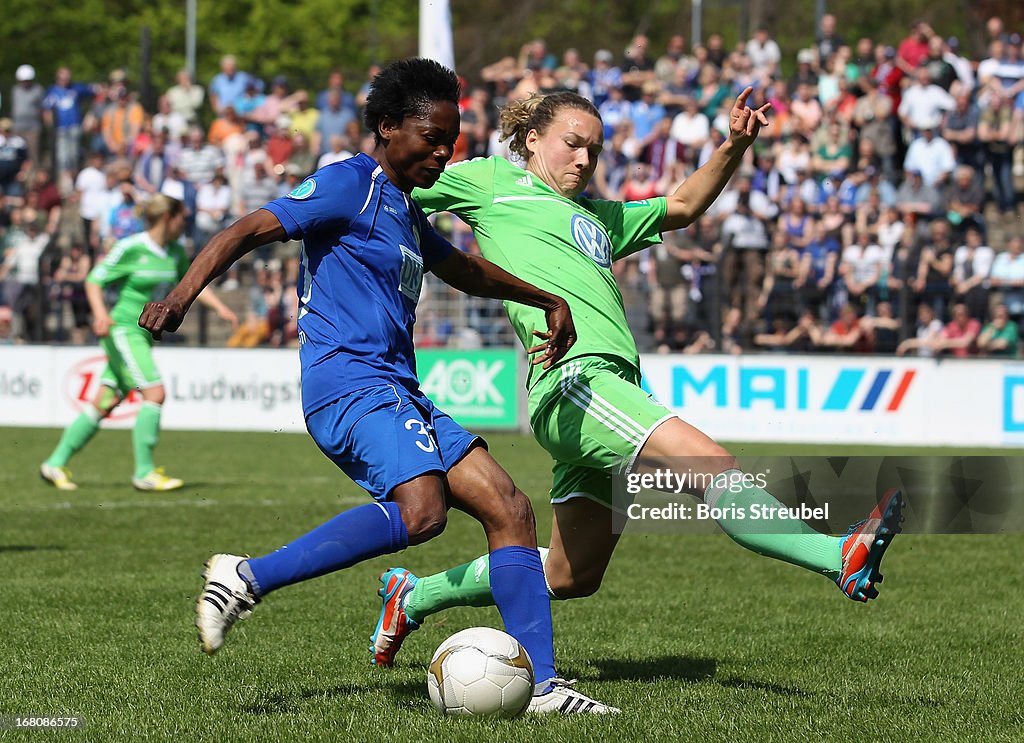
{"type": "Point", "coordinates": [153, 503]}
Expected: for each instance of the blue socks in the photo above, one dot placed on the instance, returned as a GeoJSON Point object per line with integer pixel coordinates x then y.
{"type": "Point", "coordinates": [519, 590]}
{"type": "Point", "coordinates": [350, 537]}
{"type": "Point", "coordinates": [516, 573]}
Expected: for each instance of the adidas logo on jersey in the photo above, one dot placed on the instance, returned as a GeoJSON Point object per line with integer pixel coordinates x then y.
{"type": "Point", "coordinates": [526, 180]}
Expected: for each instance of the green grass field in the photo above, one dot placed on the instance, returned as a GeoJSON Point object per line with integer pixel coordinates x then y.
{"type": "Point", "coordinates": [695, 638]}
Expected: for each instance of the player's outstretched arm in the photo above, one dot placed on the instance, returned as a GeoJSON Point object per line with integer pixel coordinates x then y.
{"type": "Point", "coordinates": [226, 247]}
{"type": "Point", "coordinates": [481, 278]}
{"type": "Point", "coordinates": [699, 191]}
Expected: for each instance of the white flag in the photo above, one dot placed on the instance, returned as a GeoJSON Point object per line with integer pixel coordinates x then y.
{"type": "Point", "coordinates": [436, 32]}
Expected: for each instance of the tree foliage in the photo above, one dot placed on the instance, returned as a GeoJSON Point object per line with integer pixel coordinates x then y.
{"type": "Point", "coordinates": [305, 38]}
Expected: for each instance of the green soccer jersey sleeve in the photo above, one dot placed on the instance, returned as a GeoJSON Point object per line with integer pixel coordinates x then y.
{"type": "Point", "coordinates": [115, 267]}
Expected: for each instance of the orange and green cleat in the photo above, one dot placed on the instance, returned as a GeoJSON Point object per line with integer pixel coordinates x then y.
{"type": "Point", "coordinates": [864, 545]}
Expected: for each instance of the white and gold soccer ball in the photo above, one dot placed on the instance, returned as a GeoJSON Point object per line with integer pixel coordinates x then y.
{"type": "Point", "coordinates": [480, 671]}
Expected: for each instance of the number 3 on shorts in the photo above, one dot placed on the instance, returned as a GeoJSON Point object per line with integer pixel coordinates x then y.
{"type": "Point", "coordinates": [429, 446]}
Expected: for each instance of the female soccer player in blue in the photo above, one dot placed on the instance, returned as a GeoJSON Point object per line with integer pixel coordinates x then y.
{"type": "Point", "coordinates": [365, 247]}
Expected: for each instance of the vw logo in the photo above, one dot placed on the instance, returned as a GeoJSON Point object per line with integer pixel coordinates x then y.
{"type": "Point", "coordinates": [591, 239]}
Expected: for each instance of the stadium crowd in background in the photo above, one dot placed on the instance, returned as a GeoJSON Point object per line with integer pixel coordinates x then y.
{"type": "Point", "coordinates": [878, 212]}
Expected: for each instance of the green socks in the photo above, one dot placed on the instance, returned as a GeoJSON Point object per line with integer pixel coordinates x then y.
{"type": "Point", "coordinates": [145, 434]}
{"type": "Point", "coordinates": [465, 585]}
{"type": "Point", "coordinates": [75, 436]}
{"type": "Point", "coordinates": [791, 540]}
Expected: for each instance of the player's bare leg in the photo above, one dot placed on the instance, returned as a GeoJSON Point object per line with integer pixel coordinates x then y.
{"type": "Point", "coordinates": [583, 539]}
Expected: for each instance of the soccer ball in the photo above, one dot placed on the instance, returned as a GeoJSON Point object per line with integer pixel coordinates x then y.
{"type": "Point", "coordinates": [480, 671]}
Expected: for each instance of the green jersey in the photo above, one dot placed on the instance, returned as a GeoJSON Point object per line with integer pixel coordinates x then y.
{"type": "Point", "coordinates": [143, 272]}
{"type": "Point", "coordinates": [1008, 333]}
{"type": "Point", "coordinates": [561, 245]}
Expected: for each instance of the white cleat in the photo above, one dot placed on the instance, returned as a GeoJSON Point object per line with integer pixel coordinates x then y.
{"type": "Point", "coordinates": [59, 477]}
{"type": "Point", "coordinates": [157, 480]}
{"type": "Point", "coordinates": [564, 699]}
{"type": "Point", "coordinates": [225, 599]}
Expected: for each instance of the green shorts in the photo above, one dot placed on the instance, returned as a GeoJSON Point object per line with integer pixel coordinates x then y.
{"type": "Point", "coordinates": [593, 417]}
{"type": "Point", "coordinates": [129, 360]}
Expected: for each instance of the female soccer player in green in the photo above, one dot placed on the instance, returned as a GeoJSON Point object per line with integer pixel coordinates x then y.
{"type": "Point", "coordinates": [143, 267]}
{"type": "Point", "coordinates": [590, 412]}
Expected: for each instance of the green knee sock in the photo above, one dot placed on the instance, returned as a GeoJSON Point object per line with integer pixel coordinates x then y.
{"type": "Point", "coordinates": [465, 585]}
{"type": "Point", "coordinates": [790, 540]}
{"type": "Point", "coordinates": [145, 434]}
{"type": "Point", "coordinates": [75, 436]}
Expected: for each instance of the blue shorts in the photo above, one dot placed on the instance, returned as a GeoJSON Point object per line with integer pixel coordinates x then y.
{"type": "Point", "coordinates": [384, 436]}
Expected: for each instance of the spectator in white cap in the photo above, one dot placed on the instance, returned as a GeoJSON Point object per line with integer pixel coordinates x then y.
{"type": "Point", "coordinates": [931, 154]}
{"type": "Point", "coordinates": [805, 73]}
{"type": "Point", "coordinates": [27, 108]}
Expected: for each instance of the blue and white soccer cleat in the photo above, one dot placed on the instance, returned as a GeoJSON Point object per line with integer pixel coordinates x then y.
{"type": "Point", "coordinates": [225, 599]}
{"type": "Point", "coordinates": [561, 698]}
{"type": "Point", "coordinates": [394, 624]}
{"type": "Point", "coordinates": [865, 544]}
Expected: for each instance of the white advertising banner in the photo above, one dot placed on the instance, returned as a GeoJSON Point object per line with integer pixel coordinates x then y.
{"type": "Point", "coordinates": [763, 398]}
{"type": "Point", "coordinates": [207, 389]}
{"type": "Point", "coordinates": [844, 399]}
{"type": "Point", "coordinates": [240, 389]}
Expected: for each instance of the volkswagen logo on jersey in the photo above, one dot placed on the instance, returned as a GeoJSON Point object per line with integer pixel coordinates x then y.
{"type": "Point", "coordinates": [591, 239]}
{"type": "Point", "coordinates": [304, 190]}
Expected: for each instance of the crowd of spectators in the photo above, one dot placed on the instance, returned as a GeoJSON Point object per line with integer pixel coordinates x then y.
{"type": "Point", "coordinates": [877, 213]}
{"type": "Point", "coordinates": [76, 158]}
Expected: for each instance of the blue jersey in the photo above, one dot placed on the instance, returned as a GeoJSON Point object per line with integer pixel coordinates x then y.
{"type": "Point", "coordinates": [365, 246]}
{"type": "Point", "coordinates": [64, 102]}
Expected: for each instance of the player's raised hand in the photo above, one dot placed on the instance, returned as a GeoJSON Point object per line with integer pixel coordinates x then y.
{"type": "Point", "coordinates": [559, 337]}
{"type": "Point", "coordinates": [745, 123]}
{"type": "Point", "coordinates": [157, 317]}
